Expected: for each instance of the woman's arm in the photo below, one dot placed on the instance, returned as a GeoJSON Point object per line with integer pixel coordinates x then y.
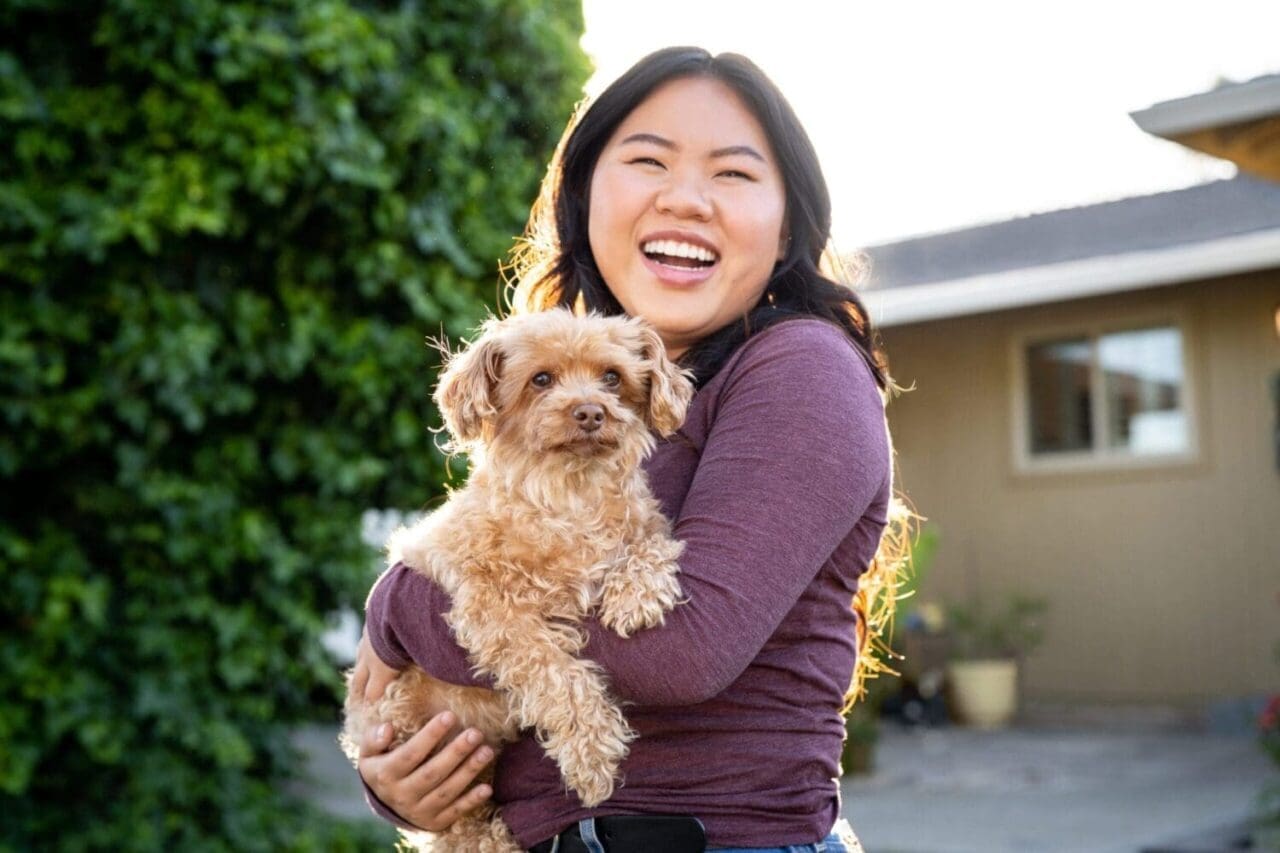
{"type": "Point", "coordinates": [404, 618]}
{"type": "Point", "coordinates": [796, 453]}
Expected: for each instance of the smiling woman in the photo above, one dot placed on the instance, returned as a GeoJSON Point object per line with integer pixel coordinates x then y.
{"type": "Point", "coordinates": [689, 195]}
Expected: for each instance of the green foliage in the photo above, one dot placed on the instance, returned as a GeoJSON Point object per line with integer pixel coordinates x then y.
{"type": "Point", "coordinates": [225, 229]}
{"type": "Point", "coordinates": [862, 719]}
{"type": "Point", "coordinates": [924, 549]}
{"type": "Point", "coordinates": [1011, 631]}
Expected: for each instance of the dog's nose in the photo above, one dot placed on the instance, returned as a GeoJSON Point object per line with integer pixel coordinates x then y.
{"type": "Point", "coordinates": [589, 416]}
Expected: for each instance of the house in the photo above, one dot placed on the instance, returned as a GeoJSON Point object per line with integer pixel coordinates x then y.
{"type": "Point", "coordinates": [1096, 417]}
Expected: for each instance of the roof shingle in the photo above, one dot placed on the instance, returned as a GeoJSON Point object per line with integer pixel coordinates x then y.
{"type": "Point", "coordinates": [1164, 220]}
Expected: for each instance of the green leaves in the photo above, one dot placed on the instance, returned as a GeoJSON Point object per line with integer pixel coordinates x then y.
{"type": "Point", "coordinates": [226, 229]}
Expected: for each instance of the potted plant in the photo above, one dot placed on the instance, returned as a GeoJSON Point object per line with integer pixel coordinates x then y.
{"type": "Point", "coordinates": [921, 646]}
{"type": "Point", "coordinates": [986, 648]}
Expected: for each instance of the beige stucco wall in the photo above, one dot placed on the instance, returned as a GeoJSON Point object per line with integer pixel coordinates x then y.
{"type": "Point", "coordinates": [1164, 583]}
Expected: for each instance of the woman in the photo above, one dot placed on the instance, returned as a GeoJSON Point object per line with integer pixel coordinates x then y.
{"type": "Point", "coordinates": [689, 195]}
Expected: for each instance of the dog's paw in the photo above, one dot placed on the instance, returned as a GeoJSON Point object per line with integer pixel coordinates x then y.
{"type": "Point", "coordinates": [591, 769]}
{"type": "Point", "coordinates": [590, 749]}
{"type": "Point", "coordinates": [593, 772]}
{"type": "Point", "coordinates": [632, 600]}
{"type": "Point", "coordinates": [592, 785]}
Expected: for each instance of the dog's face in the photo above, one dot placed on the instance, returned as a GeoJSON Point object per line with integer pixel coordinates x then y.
{"type": "Point", "coordinates": [551, 381]}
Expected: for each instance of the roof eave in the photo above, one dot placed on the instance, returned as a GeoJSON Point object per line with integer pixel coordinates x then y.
{"type": "Point", "coordinates": [1229, 105]}
{"type": "Point", "coordinates": [897, 306]}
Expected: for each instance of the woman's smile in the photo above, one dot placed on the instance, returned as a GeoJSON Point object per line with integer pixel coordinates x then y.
{"type": "Point", "coordinates": [679, 258]}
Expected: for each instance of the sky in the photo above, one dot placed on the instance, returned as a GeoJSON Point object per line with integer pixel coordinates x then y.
{"type": "Point", "coordinates": [932, 116]}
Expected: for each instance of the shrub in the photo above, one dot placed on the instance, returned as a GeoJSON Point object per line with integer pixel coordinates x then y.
{"type": "Point", "coordinates": [225, 228]}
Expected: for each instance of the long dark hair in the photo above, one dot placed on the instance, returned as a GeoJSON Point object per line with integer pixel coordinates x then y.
{"type": "Point", "coordinates": [552, 266]}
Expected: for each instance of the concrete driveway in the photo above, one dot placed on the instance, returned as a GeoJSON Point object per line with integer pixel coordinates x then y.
{"type": "Point", "coordinates": [955, 790]}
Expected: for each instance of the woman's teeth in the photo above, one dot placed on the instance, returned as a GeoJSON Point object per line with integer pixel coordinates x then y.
{"type": "Point", "coordinates": [667, 251]}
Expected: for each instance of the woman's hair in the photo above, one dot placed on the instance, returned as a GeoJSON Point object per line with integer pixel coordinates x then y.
{"type": "Point", "coordinates": [552, 266]}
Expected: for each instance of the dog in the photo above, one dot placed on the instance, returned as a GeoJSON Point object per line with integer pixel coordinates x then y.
{"type": "Point", "coordinates": [556, 412]}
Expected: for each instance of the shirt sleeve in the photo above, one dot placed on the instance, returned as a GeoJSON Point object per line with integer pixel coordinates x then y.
{"type": "Point", "coordinates": [405, 620]}
{"type": "Point", "coordinates": [796, 453]}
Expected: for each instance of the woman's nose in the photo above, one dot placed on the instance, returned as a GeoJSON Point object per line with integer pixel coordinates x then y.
{"type": "Point", "coordinates": [684, 198]}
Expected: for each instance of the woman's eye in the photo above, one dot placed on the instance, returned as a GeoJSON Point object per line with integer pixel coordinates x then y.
{"type": "Point", "coordinates": [541, 380]}
{"type": "Point", "coordinates": [611, 378]}
{"type": "Point", "coordinates": [646, 161]}
{"type": "Point", "coordinates": [734, 173]}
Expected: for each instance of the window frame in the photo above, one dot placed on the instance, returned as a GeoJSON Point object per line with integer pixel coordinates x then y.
{"type": "Point", "coordinates": [1101, 457]}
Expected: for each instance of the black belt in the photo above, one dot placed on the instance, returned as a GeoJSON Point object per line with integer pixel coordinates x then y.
{"type": "Point", "coordinates": [634, 834]}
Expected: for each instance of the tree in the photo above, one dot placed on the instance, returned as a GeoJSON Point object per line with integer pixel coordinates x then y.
{"type": "Point", "coordinates": [225, 229]}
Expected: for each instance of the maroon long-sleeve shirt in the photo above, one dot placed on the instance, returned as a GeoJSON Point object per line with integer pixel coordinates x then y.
{"type": "Point", "coordinates": [779, 485]}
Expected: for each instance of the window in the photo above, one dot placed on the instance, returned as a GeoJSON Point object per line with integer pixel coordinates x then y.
{"type": "Point", "coordinates": [1106, 396]}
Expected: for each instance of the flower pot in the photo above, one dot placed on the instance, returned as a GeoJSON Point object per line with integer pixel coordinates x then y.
{"type": "Point", "coordinates": [984, 693]}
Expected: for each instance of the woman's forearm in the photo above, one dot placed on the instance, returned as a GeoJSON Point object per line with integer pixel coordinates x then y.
{"type": "Point", "coordinates": [405, 618]}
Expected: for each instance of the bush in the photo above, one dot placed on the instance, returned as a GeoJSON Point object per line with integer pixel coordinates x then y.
{"type": "Point", "coordinates": [225, 228]}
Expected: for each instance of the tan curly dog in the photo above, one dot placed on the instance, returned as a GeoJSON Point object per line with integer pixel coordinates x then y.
{"type": "Point", "coordinates": [556, 413]}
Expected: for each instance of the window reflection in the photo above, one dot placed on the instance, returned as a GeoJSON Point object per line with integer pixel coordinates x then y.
{"type": "Point", "coordinates": [1142, 375]}
{"type": "Point", "coordinates": [1061, 408]}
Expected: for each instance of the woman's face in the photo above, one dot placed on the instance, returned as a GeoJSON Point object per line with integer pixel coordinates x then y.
{"type": "Point", "coordinates": [687, 211]}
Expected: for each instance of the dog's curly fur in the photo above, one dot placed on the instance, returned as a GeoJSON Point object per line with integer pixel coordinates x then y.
{"type": "Point", "coordinates": [555, 412]}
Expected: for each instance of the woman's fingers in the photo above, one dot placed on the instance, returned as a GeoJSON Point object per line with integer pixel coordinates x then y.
{"type": "Point", "coordinates": [426, 779]}
{"type": "Point", "coordinates": [444, 802]}
{"type": "Point", "coordinates": [375, 741]}
{"type": "Point", "coordinates": [359, 678]}
{"type": "Point", "coordinates": [423, 782]}
{"type": "Point", "coordinates": [360, 673]}
{"type": "Point", "coordinates": [413, 753]}
{"type": "Point", "coordinates": [467, 803]}
{"type": "Point", "coordinates": [380, 675]}
{"type": "Point", "coordinates": [386, 773]}
{"type": "Point", "coordinates": [371, 675]}
{"type": "Point", "coordinates": [452, 769]}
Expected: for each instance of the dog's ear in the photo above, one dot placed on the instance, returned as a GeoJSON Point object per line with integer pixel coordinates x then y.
{"type": "Point", "coordinates": [670, 389]}
{"type": "Point", "coordinates": [467, 393]}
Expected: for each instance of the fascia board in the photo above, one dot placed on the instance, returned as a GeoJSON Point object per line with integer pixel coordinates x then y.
{"type": "Point", "coordinates": [1117, 273]}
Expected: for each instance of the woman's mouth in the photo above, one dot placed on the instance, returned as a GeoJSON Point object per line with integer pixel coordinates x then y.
{"type": "Point", "coordinates": [677, 262]}
{"type": "Point", "coordinates": [674, 253]}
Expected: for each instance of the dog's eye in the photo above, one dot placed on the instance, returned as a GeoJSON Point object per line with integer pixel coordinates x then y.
{"type": "Point", "coordinates": [611, 378]}
{"type": "Point", "coordinates": [541, 380]}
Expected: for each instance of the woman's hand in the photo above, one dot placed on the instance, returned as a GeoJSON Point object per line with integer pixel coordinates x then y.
{"type": "Point", "coordinates": [427, 790]}
{"type": "Point", "coordinates": [421, 782]}
{"type": "Point", "coordinates": [371, 676]}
